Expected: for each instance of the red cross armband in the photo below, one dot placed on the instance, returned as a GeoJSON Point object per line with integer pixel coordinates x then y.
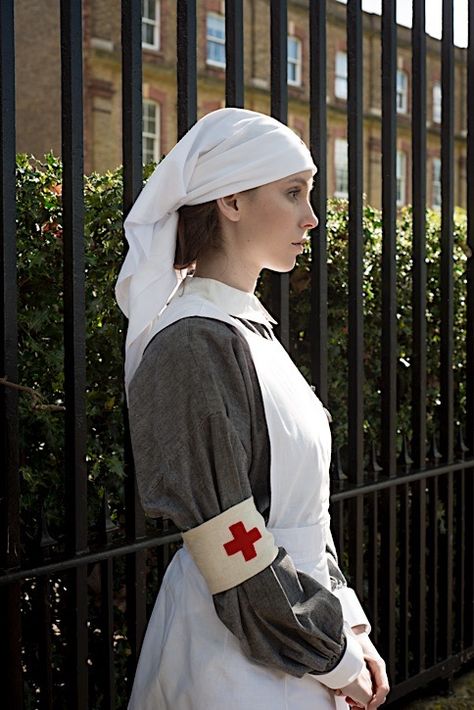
{"type": "Point", "coordinates": [231, 547]}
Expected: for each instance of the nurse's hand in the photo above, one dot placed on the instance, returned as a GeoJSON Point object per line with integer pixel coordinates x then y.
{"type": "Point", "coordinates": [376, 666]}
{"type": "Point", "coordinates": [359, 693]}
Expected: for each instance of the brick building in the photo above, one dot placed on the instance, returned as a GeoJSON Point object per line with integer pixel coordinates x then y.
{"type": "Point", "coordinates": [38, 85]}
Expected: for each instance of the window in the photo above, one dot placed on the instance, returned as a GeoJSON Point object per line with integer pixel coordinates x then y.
{"type": "Point", "coordinates": [437, 102]}
{"type": "Point", "coordinates": [340, 81]}
{"type": "Point", "coordinates": [402, 91]}
{"type": "Point", "coordinates": [151, 24]}
{"type": "Point", "coordinates": [215, 40]}
{"type": "Point", "coordinates": [294, 61]}
{"type": "Point", "coordinates": [436, 184]}
{"type": "Point", "coordinates": [151, 132]}
{"type": "Point", "coordinates": [401, 177]}
{"type": "Point", "coordinates": [341, 168]}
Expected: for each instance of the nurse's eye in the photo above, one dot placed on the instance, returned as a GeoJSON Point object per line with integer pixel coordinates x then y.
{"type": "Point", "coordinates": [294, 194]}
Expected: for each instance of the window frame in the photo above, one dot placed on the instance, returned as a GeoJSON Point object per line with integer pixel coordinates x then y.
{"type": "Point", "coordinates": [403, 108]}
{"type": "Point", "coordinates": [155, 24]}
{"type": "Point", "coordinates": [401, 178]}
{"type": "Point", "coordinates": [296, 63]}
{"type": "Point", "coordinates": [340, 79]}
{"type": "Point", "coordinates": [215, 40]}
{"type": "Point", "coordinates": [339, 144]}
{"type": "Point", "coordinates": [436, 191]}
{"type": "Point", "coordinates": [437, 97]}
{"type": "Point", "coordinates": [156, 136]}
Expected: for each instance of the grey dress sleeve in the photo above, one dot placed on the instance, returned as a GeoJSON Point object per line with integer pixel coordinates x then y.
{"type": "Point", "coordinates": [200, 446]}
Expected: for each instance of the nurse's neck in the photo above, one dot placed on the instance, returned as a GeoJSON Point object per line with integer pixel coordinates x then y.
{"type": "Point", "coordinates": [233, 272]}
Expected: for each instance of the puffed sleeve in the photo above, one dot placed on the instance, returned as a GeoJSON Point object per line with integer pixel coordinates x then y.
{"type": "Point", "coordinates": [199, 449]}
{"type": "Point", "coordinates": [352, 609]}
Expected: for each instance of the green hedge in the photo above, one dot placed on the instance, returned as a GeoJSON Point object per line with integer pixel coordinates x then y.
{"type": "Point", "coordinates": [41, 347]}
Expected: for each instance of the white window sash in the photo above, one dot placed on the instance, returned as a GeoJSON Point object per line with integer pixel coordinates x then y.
{"type": "Point", "coordinates": [341, 169]}
{"type": "Point", "coordinates": [148, 22]}
{"type": "Point", "coordinates": [401, 178]}
{"type": "Point", "coordinates": [437, 103]}
{"type": "Point", "coordinates": [148, 134]}
{"type": "Point", "coordinates": [402, 92]}
{"type": "Point", "coordinates": [217, 42]}
{"type": "Point", "coordinates": [294, 63]}
{"type": "Point", "coordinates": [340, 78]}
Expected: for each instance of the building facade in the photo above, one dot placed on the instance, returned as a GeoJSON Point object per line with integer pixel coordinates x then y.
{"type": "Point", "coordinates": [38, 92]}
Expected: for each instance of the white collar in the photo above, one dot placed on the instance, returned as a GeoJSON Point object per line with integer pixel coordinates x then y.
{"type": "Point", "coordinates": [233, 301]}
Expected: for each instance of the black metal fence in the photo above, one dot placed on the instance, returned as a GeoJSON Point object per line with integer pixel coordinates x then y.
{"type": "Point", "coordinates": [414, 574]}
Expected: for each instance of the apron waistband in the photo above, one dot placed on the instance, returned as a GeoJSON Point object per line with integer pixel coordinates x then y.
{"type": "Point", "coordinates": [305, 545]}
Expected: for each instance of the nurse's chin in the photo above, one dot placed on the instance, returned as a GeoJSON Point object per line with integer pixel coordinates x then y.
{"type": "Point", "coordinates": [282, 267]}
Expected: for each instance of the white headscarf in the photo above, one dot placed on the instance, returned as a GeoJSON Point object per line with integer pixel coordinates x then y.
{"type": "Point", "coordinates": [226, 151]}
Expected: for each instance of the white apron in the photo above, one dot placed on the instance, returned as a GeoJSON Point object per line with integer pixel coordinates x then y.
{"type": "Point", "coordinates": [189, 659]}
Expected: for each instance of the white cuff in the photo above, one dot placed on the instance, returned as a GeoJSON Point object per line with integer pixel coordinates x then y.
{"type": "Point", "coordinates": [348, 668]}
{"type": "Point", "coordinates": [352, 610]}
{"type": "Point", "coordinates": [231, 547]}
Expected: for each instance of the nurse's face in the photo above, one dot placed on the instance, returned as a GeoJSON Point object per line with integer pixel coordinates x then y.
{"type": "Point", "coordinates": [274, 221]}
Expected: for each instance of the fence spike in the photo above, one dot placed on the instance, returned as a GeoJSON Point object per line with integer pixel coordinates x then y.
{"type": "Point", "coordinates": [336, 470]}
{"type": "Point", "coordinates": [106, 524]}
{"type": "Point", "coordinates": [373, 466]}
{"type": "Point", "coordinates": [405, 459]}
{"type": "Point", "coordinates": [46, 540]}
{"type": "Point", "coordinates": [461, 447]}
{"type": "Point", "coordinates": [434, 453]}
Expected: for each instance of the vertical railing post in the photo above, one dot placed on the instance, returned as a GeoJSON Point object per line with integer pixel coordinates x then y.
{"type": "Point", "coordinates": [469, 503]}
{"type": "Point", "coordinates": [186, 68]}
{"type": "Point", "coordinates": [446, 493]}
{"type": "Point", "coordinates": [418, 383]}
{"type": "Point", "coordinates": [389, 330]}
{"type": "Point", "coordinates": [132, 184]}
{"type": "Point", "coordinates": [279, 109]}
{"type": "Point", "coordinates": [74, 341]}
{"type": "Point", "coordinates": [10, 615]}
{"type": "Point", "coordinates": [355, 116]}
{"type": "Point", "coordinates": [234, 53]}
{"type": "Point", "coordinates": [318, 145]}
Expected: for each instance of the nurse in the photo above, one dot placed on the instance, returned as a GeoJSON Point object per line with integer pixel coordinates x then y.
{"type": "Point", "coordinates": [229, 440]}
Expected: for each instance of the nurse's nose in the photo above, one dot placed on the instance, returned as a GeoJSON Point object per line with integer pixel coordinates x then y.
{"type": "Point", "coordinates": [310, 221]}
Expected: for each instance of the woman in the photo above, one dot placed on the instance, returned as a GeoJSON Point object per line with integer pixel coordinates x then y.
{"type": "Point", "coordinates": [229, 440]}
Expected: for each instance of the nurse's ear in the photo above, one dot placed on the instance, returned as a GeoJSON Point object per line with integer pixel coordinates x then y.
{"type": "Point", "coordinates": [229, 207]}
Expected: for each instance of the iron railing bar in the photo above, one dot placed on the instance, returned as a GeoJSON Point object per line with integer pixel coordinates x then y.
{"type": "Point", "coordinates": [418, 383]}
{"type": "Point", "coordinates": [74, 343]}
{"type": "Point", "coordinates": [318, 146]}
{"type": "Point", "coordinates": [435, 672]}
{"type": "Point", "coordinates": [131, 102]}
{"type": "Point", "coordinates": [469, 440]}
{"type": "Point", "coordinates": [234, 53]}
{"type": "Point", "coordinates": [394, 481]}
{"type": "Point", "coordinates": [10, 599]}
{"type": "Point", "coordinates": [459, 572]}
{"type": "Point", "coordinates": [45, 646]}
{"type": "Point", "coordinates": [389, 330]}
{"type": "Point", "coordinates": [132, 184]}
{"type": "Point", "coordinates": [186, 65]}
{"type": "Point", "coordinates": [447, 210]}
{"type": "Point", "coordinates": [280, 299]}
{"type": "Point", "coordinates": [89, 558]}
{"type": "Point", "coordinates": [355, 411]}
{"type": "Point", "coordinates": [107, 624]}
{"type": "Point", "coordinates": [446, 409]}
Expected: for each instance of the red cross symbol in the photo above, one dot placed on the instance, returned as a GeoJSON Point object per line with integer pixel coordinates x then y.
{"type": "Point", "coordinates": [243, 541]}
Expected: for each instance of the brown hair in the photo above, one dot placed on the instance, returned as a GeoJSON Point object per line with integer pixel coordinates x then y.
{"type": "Point", "coordinates": [198, 230]}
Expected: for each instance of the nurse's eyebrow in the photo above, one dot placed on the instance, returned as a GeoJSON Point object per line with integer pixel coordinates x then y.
{"type": "Point", "coordinates": [301, 181]}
